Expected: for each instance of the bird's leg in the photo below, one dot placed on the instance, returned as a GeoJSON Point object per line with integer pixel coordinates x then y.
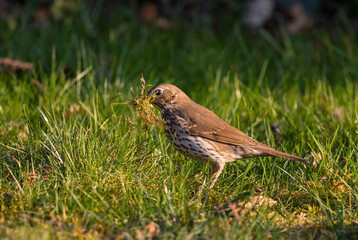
{"type": "Point", "coordinates": [217, 169]}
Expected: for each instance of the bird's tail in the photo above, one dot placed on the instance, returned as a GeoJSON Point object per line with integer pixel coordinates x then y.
{"type": "Point", "coordinates": [273, 152]}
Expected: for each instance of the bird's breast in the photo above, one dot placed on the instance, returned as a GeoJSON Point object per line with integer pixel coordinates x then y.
{"type": "Point", "coordinates": [202, 149]}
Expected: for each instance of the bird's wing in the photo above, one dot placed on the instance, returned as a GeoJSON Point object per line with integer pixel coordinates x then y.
{"type": "Point", "coordinates": [206, 124]}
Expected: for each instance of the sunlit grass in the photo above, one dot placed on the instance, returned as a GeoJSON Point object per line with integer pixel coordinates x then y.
{"type": "Point", "coordinates": [77, 161]}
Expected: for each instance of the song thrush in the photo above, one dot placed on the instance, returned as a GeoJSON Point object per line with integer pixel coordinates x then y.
{"type": "Point", "coordinates": [199, 133]}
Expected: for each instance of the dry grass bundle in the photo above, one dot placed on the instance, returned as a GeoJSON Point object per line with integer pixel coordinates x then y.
{"type": "Point", "coordinates": [143, 107]}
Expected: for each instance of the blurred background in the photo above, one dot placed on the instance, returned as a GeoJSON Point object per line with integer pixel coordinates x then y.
{"type": "Point", "coordinates": [265, 44]}
{"type": "Point", "coordinates": [33, 30]}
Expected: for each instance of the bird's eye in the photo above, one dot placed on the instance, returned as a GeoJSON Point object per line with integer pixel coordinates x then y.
{"type": "Point", "coordinates": [158, 92]}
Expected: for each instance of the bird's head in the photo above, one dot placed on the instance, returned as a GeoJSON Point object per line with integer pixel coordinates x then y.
{"type": "Point", "coordinates": [166, 95]}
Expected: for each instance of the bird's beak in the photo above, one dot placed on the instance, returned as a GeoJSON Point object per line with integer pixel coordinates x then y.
{"type": "Point", "coordinates": [149, 95]}
{"type": "Point", "coordinates": [133, 102]}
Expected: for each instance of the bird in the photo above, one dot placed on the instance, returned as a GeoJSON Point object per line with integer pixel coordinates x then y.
{"type": "Point", "coordinates": [200, 134]}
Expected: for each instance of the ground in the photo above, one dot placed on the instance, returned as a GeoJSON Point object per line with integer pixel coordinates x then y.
{"type": "Point", "coordinates": [77, 161]}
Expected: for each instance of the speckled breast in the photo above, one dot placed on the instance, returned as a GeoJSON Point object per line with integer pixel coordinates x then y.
{"type": "Point", "coordinates": [196, 147]}
{"type": "Point", "coordinates": [190, 146]}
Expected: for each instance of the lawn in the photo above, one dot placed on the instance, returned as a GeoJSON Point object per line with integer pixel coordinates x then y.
{"type": "Point", "coordinates": [78, 162]}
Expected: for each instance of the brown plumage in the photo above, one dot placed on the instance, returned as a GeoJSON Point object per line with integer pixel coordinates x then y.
{"type": "Point", "coordinates": [199, 133]}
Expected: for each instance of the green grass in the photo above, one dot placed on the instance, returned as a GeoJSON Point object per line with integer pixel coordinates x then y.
{"type": "Point", "coordinates": [75, 163]}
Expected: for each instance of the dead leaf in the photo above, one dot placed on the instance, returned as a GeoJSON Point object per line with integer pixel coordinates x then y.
{"type": "Point", "coordinates": [339, 187]}
{"type": "Point", "coordinates": [241, 208]}
{"type": "Point", "coordinates": [163, 23]}
{"type": "Point", "coordinates": [235, 211]}
{"type": "Point", "coordinates": [258, 201]}
{"type": "Point", "coordinates": [123, 235]}
{"type": "Point", "coordinates": [43, 12]}
{"type": "Point", "coordinates": [73, 110]}
{"type": "Point", "coordinates": [317, 157]}
{"type": "Point", "coordinates": [152, 230]}
{"type": "Point", "coordinates": [139, 234]}
{"type": "Point", "coordinates": [149, 232]}
{"type": "Point", "coordinates": [300, 20]}
{"type": "Point", "coordinates": [7, 64]}
{"type": "Point", "coordinates": [32, 176]}
{"type": "Point", "coordinates": [19, 126]}
{"type": "Point", "coordinates": [24, 132]}
{"type": "Point", "coordinates": [149, 12]}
